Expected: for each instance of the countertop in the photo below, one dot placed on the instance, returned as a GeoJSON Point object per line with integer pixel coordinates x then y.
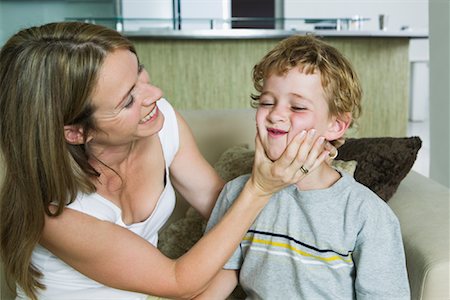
{"type": "Point", "coordinates": [206, 34]}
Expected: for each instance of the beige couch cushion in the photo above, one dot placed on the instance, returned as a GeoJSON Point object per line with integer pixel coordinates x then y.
{"type": "Point", "coordinates": [217, 130]}
{"type": "Point", "coordinates": [422, 207]}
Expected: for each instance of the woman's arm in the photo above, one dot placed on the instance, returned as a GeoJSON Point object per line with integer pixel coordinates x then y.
{"type": "Point", "coordinates": [221, 286]}
{"type": "Point", "coordinates": [192, 176]}
{"type": "Point", "coordinates": [118, 258]}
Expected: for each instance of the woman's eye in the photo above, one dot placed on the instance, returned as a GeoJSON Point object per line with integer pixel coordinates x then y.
{"type": "Point", "coordinates": [130, 102]}
{"type": "Point", "coordinates": [265, 103]}
{"type": "Point", "coordinates": [298, 108]}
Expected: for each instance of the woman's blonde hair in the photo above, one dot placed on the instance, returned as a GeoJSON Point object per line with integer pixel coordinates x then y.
{"type": "Point", "coordinates": [339, 80]}
{"type": "Point", "coordinates": [47, 77]}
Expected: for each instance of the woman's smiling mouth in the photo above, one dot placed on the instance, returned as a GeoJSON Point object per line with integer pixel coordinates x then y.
{"type": "Point", "coordinates": [150, 115]}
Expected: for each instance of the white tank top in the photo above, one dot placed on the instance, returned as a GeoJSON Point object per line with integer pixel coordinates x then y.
{"type": "Point", "coordinates": [64, 282]}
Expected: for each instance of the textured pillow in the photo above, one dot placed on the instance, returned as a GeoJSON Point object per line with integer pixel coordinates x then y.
{"type": "Point", "coordinates": [181, 235]}
{"type": "Point", "coordinates": [382, 162]}
{"type": "Point", "coordinates": [345, 166]}
{"type": "Point", "coordinates": [235, 161]}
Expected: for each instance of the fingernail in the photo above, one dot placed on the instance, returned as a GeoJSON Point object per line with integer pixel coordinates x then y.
{"type": "Point", "coordinates": [312, 132]}
{"type": "Point", "coordinates": [320, 140]}
{"type": "Point", "coordinates": [334, 154]}
{"type": "Point", "coordinates": [302, 134]}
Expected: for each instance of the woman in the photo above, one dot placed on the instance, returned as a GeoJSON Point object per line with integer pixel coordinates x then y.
{"type": "Point", "coordinates": [91, 152]}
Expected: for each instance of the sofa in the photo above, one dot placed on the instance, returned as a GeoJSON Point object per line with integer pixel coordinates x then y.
{"type": "Point", "coordinates": [421, 204]}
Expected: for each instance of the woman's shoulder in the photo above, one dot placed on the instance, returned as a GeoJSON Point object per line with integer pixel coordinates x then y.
{"type": "Point", "coordinates": [96, 206]}
{"type": "Point", "coordinates": [169, 133]}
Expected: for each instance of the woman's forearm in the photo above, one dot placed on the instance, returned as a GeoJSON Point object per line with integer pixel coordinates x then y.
{"type": "Point", "coordinates": [196, 268]}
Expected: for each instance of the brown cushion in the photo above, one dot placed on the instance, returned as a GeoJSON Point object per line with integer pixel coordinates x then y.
{"type": "Point", "coordinates": [382, 162]}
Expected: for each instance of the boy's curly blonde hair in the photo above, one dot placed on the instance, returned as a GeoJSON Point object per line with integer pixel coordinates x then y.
{"type": "Point", "coordinates": [339, 80]}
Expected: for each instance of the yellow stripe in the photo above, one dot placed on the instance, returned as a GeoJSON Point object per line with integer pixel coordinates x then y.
{"type": "Point", "coordinates": [287, 246]}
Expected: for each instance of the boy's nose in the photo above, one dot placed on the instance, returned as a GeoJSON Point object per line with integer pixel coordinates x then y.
{"type": "Point", "coordinates": [278, 114]}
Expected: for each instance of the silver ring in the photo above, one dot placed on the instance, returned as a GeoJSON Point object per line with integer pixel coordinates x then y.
{"type": "Point", "coordinates": [304, 170]}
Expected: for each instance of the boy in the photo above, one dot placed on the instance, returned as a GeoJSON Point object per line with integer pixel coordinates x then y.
{"type": "Point", "coordinates": [327, 237]}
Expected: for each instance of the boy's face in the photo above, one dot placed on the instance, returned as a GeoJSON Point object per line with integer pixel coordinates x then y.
{"type": "Point", "coordinates": [289, 104]}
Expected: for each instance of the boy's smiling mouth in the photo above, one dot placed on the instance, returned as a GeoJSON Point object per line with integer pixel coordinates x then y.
{"type": "Point", "coordinates": [274, 132]}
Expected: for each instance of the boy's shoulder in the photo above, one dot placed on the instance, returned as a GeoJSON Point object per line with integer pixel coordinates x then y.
{"type": "Point", "coordinates": [358, 188]}
{"type": "Point", "coordinates": [368, 200]}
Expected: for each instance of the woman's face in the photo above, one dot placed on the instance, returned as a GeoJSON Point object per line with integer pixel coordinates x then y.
{"type": "Point", "coordinates": [124, 101]}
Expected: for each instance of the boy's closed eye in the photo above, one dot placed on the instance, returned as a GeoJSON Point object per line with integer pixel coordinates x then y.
{"type": "Point", "coordinates": [298, 108]}
{"type": "Point", "coordinates": [265, 102]}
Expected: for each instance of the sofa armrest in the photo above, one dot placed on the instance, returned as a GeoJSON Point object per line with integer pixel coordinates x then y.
{"type": "Point", "coordinates": [422, 207]}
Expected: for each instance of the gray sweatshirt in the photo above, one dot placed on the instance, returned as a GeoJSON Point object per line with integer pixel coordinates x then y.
{"type": "Point", "coordinates": [342, 242]}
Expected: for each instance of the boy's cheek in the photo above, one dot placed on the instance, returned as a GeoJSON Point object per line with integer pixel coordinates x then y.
{"type": "Point", "coordinates": [260, 118]}
{"type": "Point", "coordinates": [297, 126]}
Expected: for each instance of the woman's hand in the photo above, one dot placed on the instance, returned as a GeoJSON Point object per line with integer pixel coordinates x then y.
{"type": "Point", "coordinates": [303, 154]}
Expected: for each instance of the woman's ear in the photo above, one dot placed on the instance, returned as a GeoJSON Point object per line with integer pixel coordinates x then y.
{"type": "Point", "coordinates": [338, 126]}
{"type": "Point", "coordinates": [74, 135]}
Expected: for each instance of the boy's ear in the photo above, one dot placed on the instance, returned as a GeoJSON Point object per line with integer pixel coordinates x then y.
{"type": "Point", "coordinates": [74, 135]}
{"type": "Point", "coordinates": [338, 126]}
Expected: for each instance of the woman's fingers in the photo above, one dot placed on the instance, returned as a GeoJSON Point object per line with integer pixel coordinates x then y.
{"type": "Point", "coordinates": [262, 180]}
{"type": "Point", "coordinates": [333, 152]}
{"type": "Point", "coordinates": [308, 149]}
{"type": "Point", "coordinates": [310, 157]}
{"type": "Point", "coordinates": [260, 153]}
{"type": "Point", "coordinates": [302, 156]}
{"type": "Point", "coordinates": [290, 154]}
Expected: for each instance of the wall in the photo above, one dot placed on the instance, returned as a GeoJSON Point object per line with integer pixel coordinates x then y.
{"type": "Point", "coordinates": [18, 14]}
{"type": "Point", "coordinates": [15, 14]}
{"type": "Point", "coordinates": [411, 13]}
{"type": "Point", "coordinates": [440, 91]}
{"type": "Point", "coordinates": [196, 14]}
{"type": "Point", "coordinates": [212, 9]}
{"type": "Point", "coordinates": [415, 16]}
{"type": "Point", "coordinates": [161, 10]}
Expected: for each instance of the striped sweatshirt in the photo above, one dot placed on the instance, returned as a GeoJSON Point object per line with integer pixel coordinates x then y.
{"type": "Point", "coordinates": [342, 242]}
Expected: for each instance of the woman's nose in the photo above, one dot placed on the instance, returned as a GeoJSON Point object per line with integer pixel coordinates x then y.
{"type": "Point", "coordinates": [149, 93]}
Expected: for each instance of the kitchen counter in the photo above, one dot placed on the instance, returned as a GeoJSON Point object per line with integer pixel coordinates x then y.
{"type": "Point", "coordinates": [205, 34]}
